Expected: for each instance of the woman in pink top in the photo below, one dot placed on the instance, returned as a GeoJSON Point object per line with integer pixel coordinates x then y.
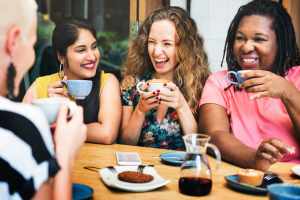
{"type": "Point", "coordinates": [256, 123]}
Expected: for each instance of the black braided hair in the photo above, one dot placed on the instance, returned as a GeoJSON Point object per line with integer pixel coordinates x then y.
{"type": "Point", "coordinates": [288, 52]}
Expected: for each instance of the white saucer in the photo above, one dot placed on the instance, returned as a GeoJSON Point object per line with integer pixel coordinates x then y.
{"type": "Point", "coordinates": [110, 178]}
{"type": "Point", "coordinates": [296, 170]}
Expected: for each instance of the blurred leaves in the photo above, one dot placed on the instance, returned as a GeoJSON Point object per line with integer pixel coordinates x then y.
{"type": "Point", "coordinates": [112, 47]}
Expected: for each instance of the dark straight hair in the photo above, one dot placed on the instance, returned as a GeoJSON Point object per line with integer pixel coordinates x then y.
{"type": "Point", "coordinates": [287, 53]}
{"type": "Point", "coordinates": [66, 33]}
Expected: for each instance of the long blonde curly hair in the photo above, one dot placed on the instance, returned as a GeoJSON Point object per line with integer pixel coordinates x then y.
{"type": "Point", "coordinates": [192, 70]}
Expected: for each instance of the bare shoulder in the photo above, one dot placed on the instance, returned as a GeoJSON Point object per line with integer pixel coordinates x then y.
{"type": "Point", "coordinates": [128, 82]}
{"type": "Point", "coordinates": [111, 79]}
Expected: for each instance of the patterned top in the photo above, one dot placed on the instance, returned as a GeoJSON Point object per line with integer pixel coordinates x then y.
{"type": "Point", "coordinates": [167, 134]}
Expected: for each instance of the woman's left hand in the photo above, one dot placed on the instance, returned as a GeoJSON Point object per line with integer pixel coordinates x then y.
{"type": "Point", "coordinates": [172, 97]}
{"type": "Point", "coordinates": [264, 84]}
{"type": "Point", "coordinates": [271, 151]}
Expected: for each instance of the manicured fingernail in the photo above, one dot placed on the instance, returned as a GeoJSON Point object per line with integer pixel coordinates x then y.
{"type": "Point", "coordinates": [153, 92]}
{"type": "Point", "coordinates": [291, 149]}
{"type": "Point", "coordinates": [158, 91]}
{"type": "Point", "coordinates": [165, 84]}
{"type": "Point", "coordinates": [157, 98]}
{"type": "Point", "coordinates": [147, 84]}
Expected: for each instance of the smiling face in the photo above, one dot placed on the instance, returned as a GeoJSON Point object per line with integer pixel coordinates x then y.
{"type": "Point", "coordinates": [162, 48]}
{"type": "Point", "coordinates": [82, 57]}
{"type": "Point", "coordinates": [255, 45]}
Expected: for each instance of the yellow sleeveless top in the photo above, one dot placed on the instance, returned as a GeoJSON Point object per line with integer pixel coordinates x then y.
{"type": "Point", "coordinates": [41, 83]}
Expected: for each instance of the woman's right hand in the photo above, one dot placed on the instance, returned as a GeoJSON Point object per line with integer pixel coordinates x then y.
{"type": "Point", "coordinates": [69, 134]}
{"type": "Point", "coordinates": [57, 89]}
{"type": "Point", "coordinates": [269, 152]}
{"type": "Point", "coordinates": [148, 100]}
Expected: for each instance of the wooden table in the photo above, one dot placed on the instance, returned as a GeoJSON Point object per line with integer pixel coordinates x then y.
{"type": "Point", "coordinates": [104, 155]}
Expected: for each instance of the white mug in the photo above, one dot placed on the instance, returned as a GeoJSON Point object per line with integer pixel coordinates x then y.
{"type": "Point", "coordinates": [153, 85]}
{"type": "Point", "coordinates": [236, 77]}
{"type": "Point", "coordinates": [50, 107]}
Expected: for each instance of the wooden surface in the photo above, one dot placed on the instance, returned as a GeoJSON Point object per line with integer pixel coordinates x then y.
{"type": "Point", "coordinates": [104, 155]}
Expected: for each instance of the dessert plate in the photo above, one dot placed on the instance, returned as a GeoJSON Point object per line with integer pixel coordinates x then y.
{"type": "Point", "coordinates": [109, 177]}
{"type": "Point", "coordinates": [233, 182]}
{"type": "Point", "coordinates": [296, 170]}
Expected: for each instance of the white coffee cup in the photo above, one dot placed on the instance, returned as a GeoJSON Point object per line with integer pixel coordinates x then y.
{"type": "Point", "coordinates": [153, 85]}
{"type": "Point", "coordinates": [50, 106]}
{"type": "Point", "coordinates": [236, 77]}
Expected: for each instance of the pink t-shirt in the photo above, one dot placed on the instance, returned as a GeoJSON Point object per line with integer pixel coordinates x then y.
{"type": "Point", "coordinates": [253, 121]}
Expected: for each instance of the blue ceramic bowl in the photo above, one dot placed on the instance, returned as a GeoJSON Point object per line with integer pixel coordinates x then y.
{"type": "Point", "coordinates": [81, 192]}
{"type": "Point", "coordinates": [284, 192]}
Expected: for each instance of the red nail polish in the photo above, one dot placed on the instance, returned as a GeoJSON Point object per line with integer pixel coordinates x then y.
{"type": "Point", "coordinates": [147, 84]}
{"type": "Point", "coordinates": [153, 92]}
{"type": "Point", "coordinates": [158, 91]}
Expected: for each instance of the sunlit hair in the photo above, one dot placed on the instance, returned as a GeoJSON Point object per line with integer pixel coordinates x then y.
{"type": "Point", "coordinates": [19, 13]}
{"type": "Point", "coordinates": [287, 52]}
{"type": "Point", "coordinates": [192, 70]}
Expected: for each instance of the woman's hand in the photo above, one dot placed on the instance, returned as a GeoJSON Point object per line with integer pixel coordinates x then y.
{"type": "Point", "coordinates": [269, 152]}
{"type": "Point", "coordinates": [172, 97]}
{"type": "Point", "coordinates": [69, 134]}
{"type": "Point", "coordinates": [264, 84]}
{"type": "Point", "coordinates": [57, 89]}
{"type": "Point", "coordinates": [148, 100]}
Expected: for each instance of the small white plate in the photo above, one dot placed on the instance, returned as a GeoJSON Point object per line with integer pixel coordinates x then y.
{"type": "Point", "coordinates": [110, 178]}
{"type": "Point", "coordinates": [296, 170]}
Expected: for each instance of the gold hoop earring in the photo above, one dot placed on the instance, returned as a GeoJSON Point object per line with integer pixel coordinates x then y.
{"type": "Point", "coordinates": [61, 72]}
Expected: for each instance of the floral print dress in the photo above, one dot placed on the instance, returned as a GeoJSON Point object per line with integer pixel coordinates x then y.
{"type": "Point", "coordinates": [166, 134]}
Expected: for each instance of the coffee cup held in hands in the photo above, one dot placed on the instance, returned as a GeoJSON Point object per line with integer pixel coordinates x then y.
{"type": "Point", "coordinates": [79, 89]}
{"type": "Point", "coordinates": [235, 78]}
{"type": "Point", "coordinates": [50, 107]}
{"type": "Point", "coordinates": [152, 86]}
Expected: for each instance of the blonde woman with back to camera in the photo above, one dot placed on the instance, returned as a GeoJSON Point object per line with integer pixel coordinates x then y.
{"type": "Point", "coordinates": [31, 167]}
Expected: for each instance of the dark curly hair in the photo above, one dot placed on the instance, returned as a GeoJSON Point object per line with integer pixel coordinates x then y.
{"type": "Point", "coordinates": [287, 53]}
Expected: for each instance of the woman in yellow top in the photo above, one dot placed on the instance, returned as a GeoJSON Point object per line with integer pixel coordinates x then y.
{"type": "Point", "coordinates": [76, 47]}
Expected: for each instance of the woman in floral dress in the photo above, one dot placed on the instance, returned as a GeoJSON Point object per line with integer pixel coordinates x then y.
{"type": "Point", "coordinates": [164, 50]}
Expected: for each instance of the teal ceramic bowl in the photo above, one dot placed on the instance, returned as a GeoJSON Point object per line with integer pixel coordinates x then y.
{"type": "Point", "coordinates": [284, 192]}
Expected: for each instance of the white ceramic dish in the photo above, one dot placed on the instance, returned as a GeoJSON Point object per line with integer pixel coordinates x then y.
{"type": "Point", "coordinates": [110, 178]}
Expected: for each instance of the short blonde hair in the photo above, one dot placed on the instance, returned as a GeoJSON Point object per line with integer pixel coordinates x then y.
{"type": "Point", "coordinates": [16, 12]}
